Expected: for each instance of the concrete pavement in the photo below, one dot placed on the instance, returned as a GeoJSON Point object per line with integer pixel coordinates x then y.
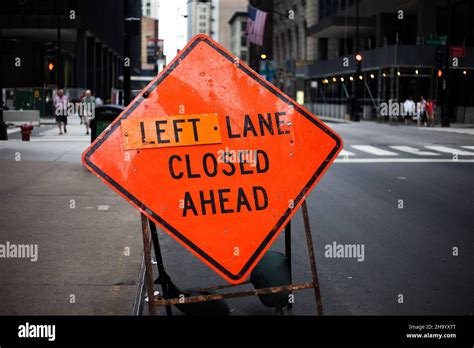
{"type": "Point", "coordinates": [89, 240]}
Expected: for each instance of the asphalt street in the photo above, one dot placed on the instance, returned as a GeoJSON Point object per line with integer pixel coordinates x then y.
{"type": "Point", "coordinates": [406, 194]}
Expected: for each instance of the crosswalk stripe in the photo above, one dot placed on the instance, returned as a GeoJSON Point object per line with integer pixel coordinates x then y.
{"type": "Point", "coordinates": [345, 153]}
{"type": "Point", "coordinates": [374, 150]}
{"type": "Point", "coordinates": [449, 150]}
{"type": "Point", "coordinates": [413, 150]}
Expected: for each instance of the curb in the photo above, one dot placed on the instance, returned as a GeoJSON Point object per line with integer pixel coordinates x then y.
{"type": "Point", "coordinates": [333, 120]}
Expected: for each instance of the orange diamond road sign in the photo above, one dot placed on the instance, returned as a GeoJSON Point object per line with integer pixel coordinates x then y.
{"type": "Point", "coordinates": [215, 155]}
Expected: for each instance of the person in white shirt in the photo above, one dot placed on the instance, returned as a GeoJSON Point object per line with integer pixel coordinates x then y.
{"type": "Point", "coordinates": [60, 104]}
{"type": "Point", "coordinates": [409, 106]}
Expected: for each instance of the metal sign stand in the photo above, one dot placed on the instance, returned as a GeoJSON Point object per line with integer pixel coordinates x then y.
{"type": "Point", "coordinates": [150, 237]}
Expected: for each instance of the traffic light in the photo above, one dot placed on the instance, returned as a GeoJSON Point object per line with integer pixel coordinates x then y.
{"type": "Point", "coordinates": [358, 59]}
{"type": "Point", "coordinates": [50, 61]}
{"type": "Point", "coordinates": [440, 73]}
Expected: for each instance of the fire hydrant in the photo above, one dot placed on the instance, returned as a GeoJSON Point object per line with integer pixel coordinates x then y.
{"type": "Point", "coordinates": [26, 131]}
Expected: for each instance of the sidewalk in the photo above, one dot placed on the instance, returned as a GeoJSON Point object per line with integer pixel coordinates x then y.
{"type": "Point", "coordinates": [88, 238]}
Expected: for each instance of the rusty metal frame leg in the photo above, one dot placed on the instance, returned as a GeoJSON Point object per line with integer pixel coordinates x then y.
{"type": "Point", "coordinates": [288, 254]}
{"type": "Point", "coordinates": [214, 297]}
{"type": "Point", "coordinates": [148, 238]}
{"type": "Point", "coordinates": [163, 277]}
{"type": "Point", "coordinates": [148, 266]}
{"type": "Point", "coordinates": [312, 258]}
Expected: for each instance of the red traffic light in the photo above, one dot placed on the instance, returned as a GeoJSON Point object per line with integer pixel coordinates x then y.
{"type": "Point", "coordinates": [440, 73]}
{"type": "Point", "coordinates": [50, 66]}
{"type": "Point", "coordinates": [358, 57]}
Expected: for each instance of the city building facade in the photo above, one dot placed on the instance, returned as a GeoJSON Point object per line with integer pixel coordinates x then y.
{"type": "Point", "coordinates": [153, 59]}
{"type": "Point", "coordinates": [225, 11]}
{"type": "Point", "coordinates": [67, 44]}
{"type": "Point", "coordinates": [151, 8]}
{"type": "Point", "coordinates": [202, 17]}
{"type": "Point", "coordinates": [211, 17]}
{"type": "Point", "coordinates": [406, 48]}
{"type": "Point", "coordinates": [238, 35]}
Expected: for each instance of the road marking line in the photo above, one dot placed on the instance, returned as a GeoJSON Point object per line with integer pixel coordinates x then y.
{"type": "Point", "coordinates": [345, 153]}
{"type": "Point", "coordinates": [374, 150]}
{"type": "Point", "coordinates": [413, 150]}
{"type": "Point", "coordinates": [14, 130]}
{"type": "Point", "coordinates": [449, 150]}
{"type": "Point", "coordinates": [401, 160]}
{"type": "Point", "coordinates": [468, 147]}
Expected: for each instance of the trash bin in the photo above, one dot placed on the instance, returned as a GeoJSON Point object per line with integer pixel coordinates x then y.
{"type": "Point", "coordinates": [103, 116]}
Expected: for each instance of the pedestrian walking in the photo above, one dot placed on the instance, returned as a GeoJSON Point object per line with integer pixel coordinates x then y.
{"type": "Point", "coordinates": [421, 110]}
{"type": "Point", "coordinates": [409, 106]}
{"type": "Point", "coordinates": [98, 101]}
{"type": "Point", "coordinates": [60, 103]}
{"type": "Point", "coordinates": [88, 106]}
{"type": "Point", "coordinates": [80, 113]}
{"type": "Point", "coordinates": [430, 112]}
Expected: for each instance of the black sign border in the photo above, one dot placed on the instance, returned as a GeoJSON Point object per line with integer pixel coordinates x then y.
{"type": "Point", "coordinates": [160, 220]}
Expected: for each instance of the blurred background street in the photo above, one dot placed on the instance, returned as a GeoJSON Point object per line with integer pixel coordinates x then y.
{"type": "Point", "coordinates": [393, 78]}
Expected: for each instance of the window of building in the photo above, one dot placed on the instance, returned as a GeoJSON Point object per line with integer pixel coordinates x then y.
{"type": "Point", "coordinates": [323, 48]}
{"type": "Point", "coordinates": [148, 8]}
{"type": "Point", "coordinates": [243, 55]}
{"type": "Point", "coordinates": [243, 40]}
{"type": "Point", "coordinates": [328, 7]}
{"type": "Point", "coordinates": [243, 26]}
{"type": "Point", "coordinates": [202, 24]}
{"type": "Point", "coordinates": [202, 17]}
{"type": "Point", "coordinates": [202, 31]}
{"type": "Point", "coordinates": [346, 46]}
